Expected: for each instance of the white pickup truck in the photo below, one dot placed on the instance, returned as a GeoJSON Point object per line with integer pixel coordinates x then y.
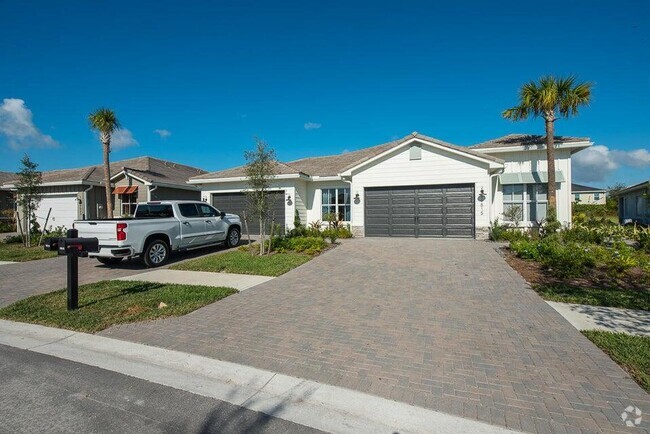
{"type": "Point", "coordinates": [159, 228]}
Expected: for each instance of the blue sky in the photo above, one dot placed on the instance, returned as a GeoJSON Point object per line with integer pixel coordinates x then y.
{"type": "Point", "coordinates": [314, 78]}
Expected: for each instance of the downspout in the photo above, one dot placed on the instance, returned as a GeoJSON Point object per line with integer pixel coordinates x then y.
{"type": "Point", "coordinates": [85, 192]}
{"type": "Point", "coordinates": [149, 190]}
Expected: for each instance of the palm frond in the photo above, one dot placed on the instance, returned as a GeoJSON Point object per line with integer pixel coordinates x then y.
{"type": "Point", "coordinates": [104, 121]}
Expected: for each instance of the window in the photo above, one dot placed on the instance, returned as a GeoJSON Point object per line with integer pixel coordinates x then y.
{"type": "Point", "coordinates": [154, 211]}
{"type": "Point", "coordinates": [577, 197]}
{"type": "Point", "coordinates": [129, 202]}
{"type": "Point", "coordinates": [336, 201]}
{"type": "Point", "coordinates": [537, 201]}
{"type": "Point", "coordinates": [188, 210]}
{"type": "Point", "coordinates": [596, 196]}
{"type": "Point", "coordinates": [513, 196]}
{"type": "Point", "coordinates": [208, 211]}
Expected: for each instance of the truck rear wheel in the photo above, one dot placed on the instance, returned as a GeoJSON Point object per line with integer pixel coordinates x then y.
{"type": "Point", "coordinates": [110, 261]}
{"type": "Point", "coordinates": [156, 253]}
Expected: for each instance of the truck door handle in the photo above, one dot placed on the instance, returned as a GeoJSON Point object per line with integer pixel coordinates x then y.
{"type": "Point", "coordinates": [208, 221]}
{"type": "Point", "coordinates": [186, 223]}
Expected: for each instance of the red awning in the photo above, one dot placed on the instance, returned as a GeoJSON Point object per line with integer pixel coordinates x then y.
{"type": "Point", "coordinates": [125, 189]}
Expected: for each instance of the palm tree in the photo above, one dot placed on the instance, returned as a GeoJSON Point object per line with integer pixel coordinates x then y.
{"type": "Point", "coordinates": [105, 122]}
{"type": "Point", "coordinates": [550, 98]}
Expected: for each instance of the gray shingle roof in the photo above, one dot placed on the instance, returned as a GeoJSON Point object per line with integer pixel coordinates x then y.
{"type": "Point", "coordinates": [148, 168]}
{"type": "Point", "coordinates": [6, 176]}
{"type": "Point", "coordinates": [579, 188]}
{"type": "Point", "coordinates": [512, 140]}
{"type": "Point", "coordinates": [332, 165]}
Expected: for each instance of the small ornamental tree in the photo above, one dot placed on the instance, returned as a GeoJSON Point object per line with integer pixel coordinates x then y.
{"type": "Point", "coordinates": [28, 193]}
{"type": "Point", "coordinates": [260, 170]}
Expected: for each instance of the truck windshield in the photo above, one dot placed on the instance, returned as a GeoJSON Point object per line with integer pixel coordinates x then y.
{"type": "Point", "coordinates": [153, 211]}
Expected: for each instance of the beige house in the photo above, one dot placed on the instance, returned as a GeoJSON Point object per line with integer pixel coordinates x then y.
{"type": "Point", "coordinates": [588, 195]}
{"type": "Point", "coordinates": [74, 194]}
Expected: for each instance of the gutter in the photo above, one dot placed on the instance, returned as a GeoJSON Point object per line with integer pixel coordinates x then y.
{"type": "Point", "coordinates": [85, 192]}
{"type": "Point", "coordinates": [149, 190]}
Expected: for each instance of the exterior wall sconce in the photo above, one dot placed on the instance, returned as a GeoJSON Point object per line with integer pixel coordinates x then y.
{"type": "Point", "coordinates": [357, 199]}
{"type": "Point", "coordinates": [289, 202]}
{"type": "Point", "coordinates": [481, 195]}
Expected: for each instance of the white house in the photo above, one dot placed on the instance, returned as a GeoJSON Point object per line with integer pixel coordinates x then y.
{"type": "Point", "coordinates": [588, 195]}
{"type": "Point", "coordinates": [417, 186]}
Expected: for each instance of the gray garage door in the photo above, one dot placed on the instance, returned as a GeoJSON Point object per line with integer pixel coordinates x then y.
{"type": "Point", "coordinates": [422, 211]}
{"type": "Point", "coordinates": [237, 203]}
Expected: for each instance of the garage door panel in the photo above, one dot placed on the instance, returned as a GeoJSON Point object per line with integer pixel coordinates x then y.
{"type": "Point", "coordinates": [64, 211]}
{"type": "Point", "coordinates": [237, 203]}
{"type": "Point", "coordinates": [427, 211]}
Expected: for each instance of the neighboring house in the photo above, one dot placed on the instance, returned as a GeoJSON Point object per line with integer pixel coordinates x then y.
{"type": "Point", "coordinates": [588, 195]}
{"type": "Point", "coordinates": [7, 200]}
{"type": "Point", "coordinates": [417, 186]}
{"type": "Point", "coordinates": [634, 203]}
{"type": "Point", "coordinates": [74, 194]}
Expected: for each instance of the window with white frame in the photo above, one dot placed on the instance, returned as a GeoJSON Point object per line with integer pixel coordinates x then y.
{"type": "Point", "coordinates": [596, 196]}
{"type": "Point", "coordinates": [129, 202]}
{"type": "Point", "coordinates": [513, 197]}
{"type": "Point", "coordinates": [335, 201]}
{"type": "Point", "coordinates": [537, 201]}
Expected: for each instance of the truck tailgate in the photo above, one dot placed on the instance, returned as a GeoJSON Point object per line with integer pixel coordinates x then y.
{"type": "Point", "coordinates": [104, 231]}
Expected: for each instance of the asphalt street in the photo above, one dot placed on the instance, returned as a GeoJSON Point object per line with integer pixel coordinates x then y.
{"type": "Point", "coordinates": [40, 393]}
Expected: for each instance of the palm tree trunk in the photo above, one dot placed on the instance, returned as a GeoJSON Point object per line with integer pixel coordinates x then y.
{"type": "Point", "coordinates": [107, 179]}
{"type": "Point", "coordinates": [550, 158]}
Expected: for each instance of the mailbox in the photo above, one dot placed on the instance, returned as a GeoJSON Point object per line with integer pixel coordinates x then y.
{"type": "Point", "coordinates": [73, 247]}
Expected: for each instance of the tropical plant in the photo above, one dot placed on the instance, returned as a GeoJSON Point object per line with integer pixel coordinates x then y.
{"type": "Point", "coordinates": [550, 98]}
{"type": "Point", "coordinates": [105, 122]}
{"type": "Point", "coordinates": [28, 195]}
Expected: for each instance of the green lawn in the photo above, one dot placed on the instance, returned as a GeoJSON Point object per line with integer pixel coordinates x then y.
{"type": "Point", "coordinates": [106, 303]}
{"type": "Point", "coordinates": [241, 262]}
{"type": "Point", "coordinates": [610, 297]}
{"type": "Point", "coordinates": [18, 253]}
{"type": "Point", "coordinates": [632, 353]}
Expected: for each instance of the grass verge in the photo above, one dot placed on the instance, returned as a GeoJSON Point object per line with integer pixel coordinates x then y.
{"type": "Point", "coordinates": [19, 253]}
{"type": "Point", "coordinates": [110, 302]}
{"type": "Point", "coordinates": [609, 297]}
{"type": "Point", "coordinates": [241, 262]}
{"type": "Point", "coordinates": [632, 353]}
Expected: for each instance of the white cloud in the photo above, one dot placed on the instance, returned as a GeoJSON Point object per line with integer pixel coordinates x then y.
{"type": "Point", "coordinates": [599, 162]}
{"type": "Point", "coordinates": [122, 138]}
{"type": "Point", "coordinates": [163, 133]}
{"type": "Point", "coordinates": [17, 126]}
{"type": "Point", "coordinates": [312, 126]}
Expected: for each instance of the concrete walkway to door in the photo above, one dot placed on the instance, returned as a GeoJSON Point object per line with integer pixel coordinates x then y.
{"type": "Point", "coordinates": [442, 324]}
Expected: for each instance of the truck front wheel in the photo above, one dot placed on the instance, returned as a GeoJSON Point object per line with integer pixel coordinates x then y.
{"type": "Point", "coordinates": [232, 240]}
{"type": "Point", "coordinates": [156, 253]}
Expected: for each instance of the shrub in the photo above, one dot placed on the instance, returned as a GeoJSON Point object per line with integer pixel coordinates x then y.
{"type": "Point", "coordinates": [644, 240]}
{"type": "Point", "coordinates": [345, 232]}
{"type": "Point", "coordinates": [502, 232]}
{"type": "Point", "coordinates": [332, 234]}
{"type": "Point", "coordinates": [310, 245]}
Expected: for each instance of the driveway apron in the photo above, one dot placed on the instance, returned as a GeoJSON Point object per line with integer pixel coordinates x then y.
{"type": "Point", "coordinates": [441, 324]}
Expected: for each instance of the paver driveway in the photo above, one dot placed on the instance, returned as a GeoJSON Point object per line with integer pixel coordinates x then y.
{"type": "Point", "coordinates": [443, 324]}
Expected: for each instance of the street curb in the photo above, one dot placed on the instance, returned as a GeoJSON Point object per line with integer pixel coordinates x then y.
{"type": "Point", "coordinates": [316, 405]}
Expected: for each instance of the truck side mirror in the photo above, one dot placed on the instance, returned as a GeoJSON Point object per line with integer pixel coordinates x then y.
{"type": "Point", "coordinates": [223, 214]}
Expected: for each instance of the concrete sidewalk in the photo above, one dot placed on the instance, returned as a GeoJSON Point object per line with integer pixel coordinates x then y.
{"type": "Point", "coordinates": [312, 404]}
{"type": "Point", "coordinates": [205, 278]}
{"type": "Point", "coordinates": [611, 319]}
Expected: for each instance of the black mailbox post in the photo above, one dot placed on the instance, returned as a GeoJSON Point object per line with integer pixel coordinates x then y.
{"type": "Point", "coordinates": [73, 247]}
